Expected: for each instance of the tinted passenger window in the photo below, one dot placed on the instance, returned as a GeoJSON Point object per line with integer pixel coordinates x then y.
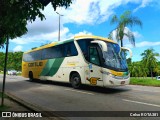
{"type": "Point", "coordinates": [52, 52]}
{"type": "Point", "coordinates": [64, 50]}
{"type": "Point", "coordinates": [33, 56]}
{"type": "Point", "coordinates": [84, 44]}
{"type": "Point", "coordinates": [94, 56]}
{"type": "Point", "coordinates": [70, 49]}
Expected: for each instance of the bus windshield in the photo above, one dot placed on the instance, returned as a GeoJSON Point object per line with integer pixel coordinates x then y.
{"type": "Point", "coordinates": [115, 58]}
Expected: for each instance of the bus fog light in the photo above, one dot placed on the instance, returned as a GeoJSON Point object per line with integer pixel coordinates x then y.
{"type": "Point", "coordinates": [111, 82]}
{"type": "Point", "coordinates": [122, 82]}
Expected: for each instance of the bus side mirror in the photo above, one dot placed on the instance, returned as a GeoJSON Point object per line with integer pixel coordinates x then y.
{"type": "Point", "coordinates": [127, 49]}
{"type": "Point", "coordinates": [102, 44]}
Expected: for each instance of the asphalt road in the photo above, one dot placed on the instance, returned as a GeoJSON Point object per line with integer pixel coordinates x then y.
{"type": "Point", "coordinates": [55, 96]}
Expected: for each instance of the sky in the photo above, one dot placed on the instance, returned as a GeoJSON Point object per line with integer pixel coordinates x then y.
{"type": "Point", "coordinates": [93, 17]}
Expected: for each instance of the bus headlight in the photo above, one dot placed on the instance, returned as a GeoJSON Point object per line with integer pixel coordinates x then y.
{"type": "Point", "coordinates": [120, 77]}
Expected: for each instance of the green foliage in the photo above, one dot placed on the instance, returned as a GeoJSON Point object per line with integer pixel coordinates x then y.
{"type": "Point", "coordinates": [157, 69]}
{"type": "Point", "coordinates": [3, 108]}
{"type": "Point", "coordinates": [60, 3]}
{"type": "Point", "coordinates": [34, 48]}
{"type": "Point", "coordinates": [125, 20]}
{"type": "Point", "coordinates": [145, 81]}
{"type": "Point", "coordinates": [129, 61]}
{"type": "Point", "coordinates": [137, 69]}
{"type": "Point", "coordinates": [149, 58]}
{"type": "Point", "coordinates": [2, 56]}
{"type": "Point", "coordinates": [1, 72]}
{"type": "Point", "coordinates": [16, 13]}
{"type": "Point", "coordinates": [2, 41]}
{"type": "Point", "coordinates": [14, 60]}
{"type": "Point", "coordinates": [5, 96]}
{"type": "Point", "coordinates": [150, 61]}
{"type": "Point", "coordinates": [148, 66]}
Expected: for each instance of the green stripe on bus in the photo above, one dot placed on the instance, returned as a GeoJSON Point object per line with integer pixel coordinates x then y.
{"type": "Point", "coordinates": [52, 67]}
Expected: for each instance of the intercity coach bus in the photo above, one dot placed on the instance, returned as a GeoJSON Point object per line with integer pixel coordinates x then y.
{"type": "Point", "coordinates": [84, 59]}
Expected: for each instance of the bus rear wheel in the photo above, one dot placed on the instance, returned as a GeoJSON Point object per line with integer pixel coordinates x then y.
{"type": "Point", "coordinates": [31, 76]}
{"type": "Point", "coordinates": [75, 80]}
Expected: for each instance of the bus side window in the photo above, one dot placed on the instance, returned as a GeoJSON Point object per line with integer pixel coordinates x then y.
{"type": "Point", "coordinates": [70, 50]}
{"type": "Point", "coordinates": [94, 57]}
{"type": "Point", "coordinates": [66, 50]}
{"type": "Point", "coordinates": [84, 44]}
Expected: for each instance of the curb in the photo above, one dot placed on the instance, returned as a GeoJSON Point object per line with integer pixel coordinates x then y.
{"type": "Point", "coordinates": [35, 108]}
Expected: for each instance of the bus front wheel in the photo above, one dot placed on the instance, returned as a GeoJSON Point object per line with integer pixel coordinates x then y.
{"type": "Point", "coordinates": [31, 76]}
{"type": "Point", "coordinates": [75, 80]}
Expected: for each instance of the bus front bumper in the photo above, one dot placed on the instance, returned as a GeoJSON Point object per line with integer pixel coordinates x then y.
{"type": "Point", "coordinates": [111, 80]}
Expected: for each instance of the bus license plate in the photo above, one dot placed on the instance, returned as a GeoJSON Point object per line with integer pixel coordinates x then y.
{"type": "Point", "coordinates": [122, 82]}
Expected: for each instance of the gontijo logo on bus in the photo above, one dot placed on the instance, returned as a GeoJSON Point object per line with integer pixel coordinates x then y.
{"type": "Point", "coordinates": [93, 80]}
{"type": "Point", "coordinates": [33, 64]}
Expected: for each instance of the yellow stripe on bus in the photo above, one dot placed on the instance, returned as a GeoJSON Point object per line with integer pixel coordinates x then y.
{"type": "Point", "coordinates": [116, 73]}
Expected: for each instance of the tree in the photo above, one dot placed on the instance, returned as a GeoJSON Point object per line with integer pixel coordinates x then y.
{"type": "Point", "coordinates": [158, 69]}
{"type": "Point", "coordinates": [125, 20]}
{"type": "Point", "coordinates": [137, 69]}
{"type": "Point", "coordinates": [133, 69]}
{"type": "Point", "coordinates": [17, 60]}
{"type": "Point", "coordinates": [14, 60]}
{"type": "Point", "coordinates": [2, 41]}
{"type": "Point", "coordinates": [149, 60]}
{"type": "Point", "coordinates": [143, 71]}
{"type": "Point", "coordinates": [15, 14]}
{"type": "Point", "coordinates": [2, 55]}
{"type": "Point", "coordinates": [129, 61]}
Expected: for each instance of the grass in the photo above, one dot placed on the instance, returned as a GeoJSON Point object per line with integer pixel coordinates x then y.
{"type": "Point", "coordinates": [19, 74]}
{"type": "Point", "coordinates": [4, 107]}
{"type": "Point", "coordinates": [145, 82]}
{"type": "Point", "coordinates": [5, 96]}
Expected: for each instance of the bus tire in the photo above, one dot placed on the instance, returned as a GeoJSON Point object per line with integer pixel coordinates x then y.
{"type": "Point", "coordinates": [75, 80]}
{"type": "Point", "coordinates": [31, 76]}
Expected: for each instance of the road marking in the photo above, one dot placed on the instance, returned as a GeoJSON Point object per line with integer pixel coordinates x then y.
{"type": "Point", "coordinates": [146, 90]}
{"type": "Point", "coordinates": [141, 103]}
{"type": "Point", "coordinates": [80, 91]}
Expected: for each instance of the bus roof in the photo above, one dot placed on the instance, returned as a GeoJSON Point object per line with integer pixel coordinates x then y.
{"type": "Point", "coordinates": [79, 37]}
{"type": "Point", "coordinates": [93, 37]}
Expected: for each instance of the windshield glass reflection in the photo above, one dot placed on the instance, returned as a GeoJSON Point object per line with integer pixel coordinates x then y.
{"type": "Point", "coordinates": [115, 58]}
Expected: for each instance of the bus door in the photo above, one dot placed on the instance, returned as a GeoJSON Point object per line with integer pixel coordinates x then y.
{"type": "Point", "coordinates": [95, 75]}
